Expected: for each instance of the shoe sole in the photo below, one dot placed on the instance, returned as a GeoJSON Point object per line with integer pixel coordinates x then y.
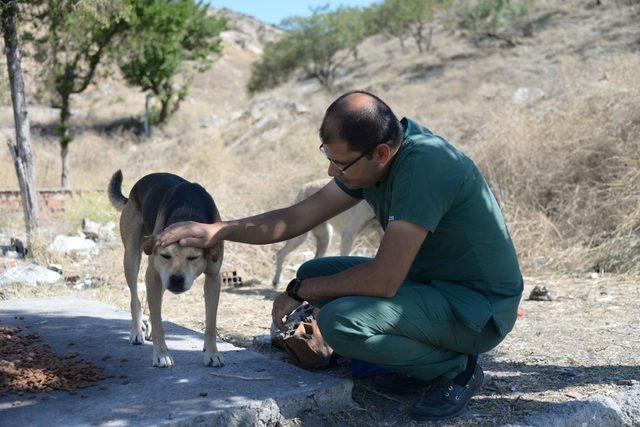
{"type": "Point", "coordinates": [454, 414]}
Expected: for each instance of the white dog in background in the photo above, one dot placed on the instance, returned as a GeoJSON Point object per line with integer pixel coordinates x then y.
{"type": "Point", "coordinates": [348, 224]}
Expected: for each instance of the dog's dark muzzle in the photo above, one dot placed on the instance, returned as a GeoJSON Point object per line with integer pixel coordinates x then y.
{"type": "Point", "coordinates": [176, 283]}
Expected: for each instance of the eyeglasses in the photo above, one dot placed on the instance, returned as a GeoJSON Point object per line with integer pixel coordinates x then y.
{"type": "Point", "coordinates": [344, 169]}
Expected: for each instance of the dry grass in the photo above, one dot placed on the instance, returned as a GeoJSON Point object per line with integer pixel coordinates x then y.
{"type": "Point", "coordinates": [564, 169]}
{"type": "Point", "coordinates": [569, 176]}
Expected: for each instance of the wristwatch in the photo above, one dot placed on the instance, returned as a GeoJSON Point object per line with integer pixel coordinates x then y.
{"type": "Point", "coordinates": [292, 289]}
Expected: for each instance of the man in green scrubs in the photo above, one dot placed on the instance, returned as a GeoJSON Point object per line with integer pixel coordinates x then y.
{"type": "Point", "coordinates": [445, 282]}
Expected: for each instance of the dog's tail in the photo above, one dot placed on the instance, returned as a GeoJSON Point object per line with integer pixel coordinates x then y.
{"type": "Point", "coordinates": [115, 191]}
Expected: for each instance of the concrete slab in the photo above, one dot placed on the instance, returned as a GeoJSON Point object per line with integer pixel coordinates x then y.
{"type": "Point", "coordinates": [155, 396]}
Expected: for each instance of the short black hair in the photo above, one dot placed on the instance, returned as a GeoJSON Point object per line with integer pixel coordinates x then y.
{"type": "Point", "coordinates": [361, 128]}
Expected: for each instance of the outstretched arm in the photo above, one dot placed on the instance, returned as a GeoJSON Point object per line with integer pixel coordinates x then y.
{"type": "Point", "coordinates": [269, 227]}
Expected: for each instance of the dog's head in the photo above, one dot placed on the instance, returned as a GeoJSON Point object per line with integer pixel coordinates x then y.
{"type": "Point", "coordinates": [178, 266]}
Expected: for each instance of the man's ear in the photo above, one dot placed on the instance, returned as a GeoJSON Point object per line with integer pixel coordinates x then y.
{"type": "Point", "coordinates": [213, 253]}
{"type": "Point", "coordinates": [149, 244]}
{"type": "Point", "coordinates": [383, 152]}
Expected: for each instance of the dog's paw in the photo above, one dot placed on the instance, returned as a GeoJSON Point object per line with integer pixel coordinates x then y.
{"type": "Point", "coordinates": [136, 337]}
{"type": "Point", "coordinates": [162, 360]}
{"type": "Point", "coordinates": [146, 327]}
{"type": "Point", "coordinates": [212, 358]}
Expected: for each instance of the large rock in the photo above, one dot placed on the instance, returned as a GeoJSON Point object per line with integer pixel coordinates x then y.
{"type": "Point", "coordinates": [525, 96]}
{"type": "Point", "coordinates": [29, 275]}
{"type": "Point", "coordinates": [98, 232]}
{"type": "Point", "coordinates": [73, 245]}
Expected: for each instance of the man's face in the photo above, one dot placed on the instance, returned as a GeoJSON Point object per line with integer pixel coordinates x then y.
{"type": "Point", "coordinates": [363, 173]}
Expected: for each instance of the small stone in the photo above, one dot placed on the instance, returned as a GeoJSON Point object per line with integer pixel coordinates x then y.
{"type": "Point", "coordinates": [540, 293]}
{"type": "Point", "coordinates": [55, 267]}
{"type": "Point", "coordinates": [203, 394]}
{"type": "Point", "coordinates": [625, 382]}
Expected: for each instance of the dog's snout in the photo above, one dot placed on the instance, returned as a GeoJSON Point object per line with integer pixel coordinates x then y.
{"type": "Point", "coordinates": [176, 283]}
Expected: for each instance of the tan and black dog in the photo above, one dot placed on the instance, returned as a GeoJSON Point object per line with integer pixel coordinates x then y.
{"type": "Point", "coordinates": [155, 202]}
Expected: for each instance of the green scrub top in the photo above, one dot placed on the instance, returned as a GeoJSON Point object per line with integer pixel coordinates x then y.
{"type": "Point", "coordinates": [468, 254]}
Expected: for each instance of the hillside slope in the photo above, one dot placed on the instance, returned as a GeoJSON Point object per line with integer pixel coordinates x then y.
{"type": "Point", "coordinates": [576, 70]}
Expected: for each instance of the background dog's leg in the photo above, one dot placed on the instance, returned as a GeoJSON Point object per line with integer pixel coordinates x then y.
{"type": "Point", "coordinates": [131, 231]}
{"type": "Point", "coordinates": [322, 233]}
{"type": "Point", "coordinates": [282, 254]}
{"type": "Point", "coordinates": [210, 355]}
{"type": "Point", "coordinates": [161, 356]}
{"type": "Point", "coordinates": [346, 241]}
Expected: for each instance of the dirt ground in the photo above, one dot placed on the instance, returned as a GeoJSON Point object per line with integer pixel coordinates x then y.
{"type": "Point", "coordinates": [584, 342]}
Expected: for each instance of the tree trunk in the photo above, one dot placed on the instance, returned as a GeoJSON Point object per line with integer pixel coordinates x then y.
{"type": "Point", "coordinates": [21, 149]}
{"type": "Point", "coordinates": [419, 37]}
{"type": "Point", "coordinates": [165, 95]}
{"type": "Point", "coordinates": [64, 174]}
{"type": "Point", "coordinates": [147, 115]}
{"type": "Point", "coordinates": [164, 109]}
{"type": "Point", "coordinates": [429, 39]}
{"type": "Point", "coordinates": [64, 138]}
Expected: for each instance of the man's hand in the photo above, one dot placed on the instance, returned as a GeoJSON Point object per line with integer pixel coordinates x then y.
{"type": "Point", "coordinates": [190, 233]}
{"type": "Point", "coordinates": [282, 306]}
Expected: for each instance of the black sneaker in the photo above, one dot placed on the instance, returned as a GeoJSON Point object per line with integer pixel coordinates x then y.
{"type": "Point", "coordinates": [446, 398]}
{"type": "Point", "coordinates": [395, 383]}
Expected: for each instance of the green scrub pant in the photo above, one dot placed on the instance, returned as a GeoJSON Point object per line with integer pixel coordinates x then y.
{"type": "Point", "coordinates": [415, 332]}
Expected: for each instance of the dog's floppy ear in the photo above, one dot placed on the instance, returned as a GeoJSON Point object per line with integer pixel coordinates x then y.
{"type": "Point", "coordinates": [213, 253]}
{"type": "Point", "coordinates": [149, 244]}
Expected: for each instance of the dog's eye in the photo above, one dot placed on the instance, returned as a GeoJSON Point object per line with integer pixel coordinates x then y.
{"type": "Point", "coordinates": [165, 256]}
{"type": "Point", "coordinates": [191, 258]}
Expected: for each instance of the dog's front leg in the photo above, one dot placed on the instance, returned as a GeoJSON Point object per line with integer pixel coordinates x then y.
{"type": "Point", "coordinates": [212, 284]}
{"type": "Point", "coordinates": [161, 356]}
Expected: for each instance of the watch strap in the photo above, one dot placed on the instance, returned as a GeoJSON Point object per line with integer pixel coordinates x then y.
{"type": "Point", "coordinates": [292, 289]}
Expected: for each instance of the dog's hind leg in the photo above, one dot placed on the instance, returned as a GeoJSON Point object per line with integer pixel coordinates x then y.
{"type": "Point", "coordinates": [347, 238]}
{"type": "Point", "coordinates": [323, 234]}
{"type": "Point", "coordinates": [132, 236]}
{"type": "Point", "coordinates": [212, 284]}
{"type": "Point", "coordinates": [282, 254]}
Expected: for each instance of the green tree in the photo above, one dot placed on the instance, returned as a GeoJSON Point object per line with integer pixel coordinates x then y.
{"type": "Point", "coordinates": [71, 39]}
{"type": "Point", "coordinates": [279, 60]}
{"type": "Point", "coordinates": [170, 41]}
{"type": "Point", "coordinates": [350, 23]}
{"type": "Point", "coordinates": [493, 18]}
{"type": "Point", "coordinates": [391, 20]}
{"type": "Point", "coordinates": [400, 18]}
{"type": "Point", "coordinates": [318, 45]}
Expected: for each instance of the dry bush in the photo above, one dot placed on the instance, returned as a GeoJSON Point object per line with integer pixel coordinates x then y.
{"type": "Point", "coordinates": [569, 175]}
